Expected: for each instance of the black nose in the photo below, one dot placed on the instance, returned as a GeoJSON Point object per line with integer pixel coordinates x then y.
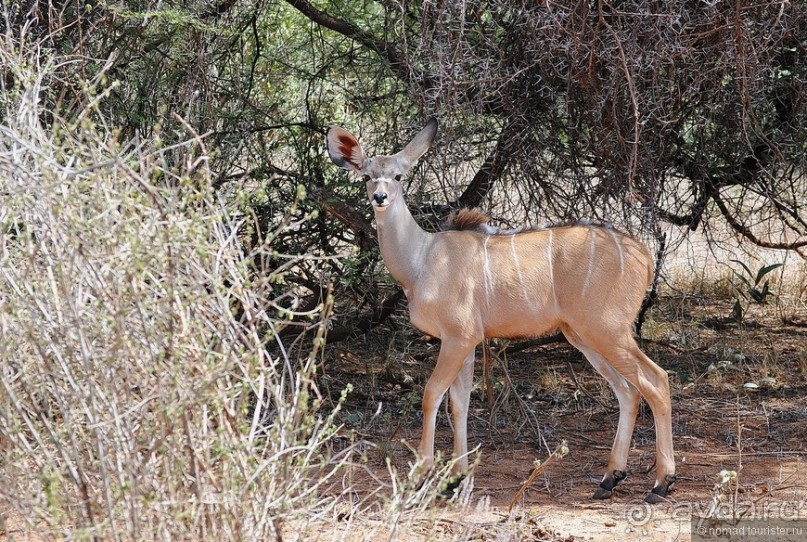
{"type": "Point", "coordinates": [379, 197]}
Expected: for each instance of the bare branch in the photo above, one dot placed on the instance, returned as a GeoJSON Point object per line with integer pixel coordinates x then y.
{"type": "Point", "coordinates": [490, 171]}
{"type": "Point", "coordinates": [388, 51]}
{"type": "Point", "coordinates": [748, 234]}
{"type": "Point", "coordinates": [347, 214]}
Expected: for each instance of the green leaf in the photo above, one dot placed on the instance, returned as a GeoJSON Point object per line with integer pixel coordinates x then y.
{"type": "Point", "coordinates": [743, 279]}
{"type": "Point", "coordinates": [747, 270]}
{"type": "Point", "coordinates": [737, 311]}
{"type": "Point", "coordinates": [765, 292]}
{"type": "Point", "coordinates": [765, 270]}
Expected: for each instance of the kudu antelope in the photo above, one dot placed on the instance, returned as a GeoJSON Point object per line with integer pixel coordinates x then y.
{"type": "Point", "coordinates": [462, 286]}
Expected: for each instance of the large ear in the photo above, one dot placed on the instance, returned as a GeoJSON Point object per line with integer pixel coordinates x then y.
{"type": "Point", "coordinates": [420, 143]}
{"type": "Point", "coordinates": [344, 149]}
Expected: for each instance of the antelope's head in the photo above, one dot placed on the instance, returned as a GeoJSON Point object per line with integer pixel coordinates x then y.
{"type": "Point", "coordinates": [382, 173]}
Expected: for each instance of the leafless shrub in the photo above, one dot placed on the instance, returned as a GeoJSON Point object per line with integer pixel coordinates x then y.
{"type": "Point", "coordinates": [144, 391]}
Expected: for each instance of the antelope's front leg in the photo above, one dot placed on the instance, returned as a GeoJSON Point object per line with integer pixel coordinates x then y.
{"type": "Point", "coordinates": [454, 354]}
{"type": "Point", "coordinates": [460, 394]}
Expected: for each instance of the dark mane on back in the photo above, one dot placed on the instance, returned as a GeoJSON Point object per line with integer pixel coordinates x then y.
{"type": "Point", "coordinates": [579, 222]}
{"type": "Point", "coordinates": [468, 219]}
{"type": "Point", "coordinates": [475, 220]}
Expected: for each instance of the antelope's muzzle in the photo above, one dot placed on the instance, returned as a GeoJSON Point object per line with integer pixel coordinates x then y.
{"type": "Point", "coordinates": [380, 199]}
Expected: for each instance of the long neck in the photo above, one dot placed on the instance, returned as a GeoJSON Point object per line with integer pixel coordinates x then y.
{"type": "Point", "coordinates": [404, 245]}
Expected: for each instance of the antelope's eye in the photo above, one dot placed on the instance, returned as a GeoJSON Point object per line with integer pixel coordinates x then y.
{"type": "Point", "coordinates": [365, 178]}
{"type": "Point", "coordinates": [398, 177]}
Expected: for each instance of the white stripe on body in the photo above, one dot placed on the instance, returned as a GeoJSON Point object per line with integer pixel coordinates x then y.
{"type": "Point", "coordinates": [487, 273]}
{"type": "Point", "coordinates": [621, 252]}
{"type": "Point", "coordinates": [517, 264]}
{"type": "Point", "coordinates": [593, 250]}
{"type": "Point", "coordinates": [551, 269]}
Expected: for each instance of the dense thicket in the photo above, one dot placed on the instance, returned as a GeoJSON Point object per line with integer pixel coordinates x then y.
{"type": "Point", "coordinates": [642, 113]}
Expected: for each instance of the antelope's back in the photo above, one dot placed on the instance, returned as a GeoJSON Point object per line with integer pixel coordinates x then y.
{"type": "Point", "coordinates": [580, 273]}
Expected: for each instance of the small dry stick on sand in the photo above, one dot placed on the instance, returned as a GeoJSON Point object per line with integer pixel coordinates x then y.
{"type": "Point", "coordinates": [559, 453]}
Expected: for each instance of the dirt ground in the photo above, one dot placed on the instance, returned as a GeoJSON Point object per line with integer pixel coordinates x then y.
{"type": "Point", "coordinates": [739, 404]}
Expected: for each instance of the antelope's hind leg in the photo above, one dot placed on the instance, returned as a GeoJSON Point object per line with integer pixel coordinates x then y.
{"type": "Point", "coordinates": [628, 397]}
{"type": "Point", "coordinates": [653, 384]}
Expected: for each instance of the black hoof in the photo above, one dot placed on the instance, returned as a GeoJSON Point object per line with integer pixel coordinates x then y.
{"type": "Point", "coordinates": [452, 487]}
{"type": "Point", "coordinates": [655, 498]}
{"type": "Point", "coordinates": [659, 493]}
{"type": "Point", "coordinates": [602, 494]}
{"type": "Point", "coordinates": [607, 486]}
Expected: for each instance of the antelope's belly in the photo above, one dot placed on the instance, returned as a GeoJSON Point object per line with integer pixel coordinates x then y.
{"type": "Point", "coordinates": [520, 326]}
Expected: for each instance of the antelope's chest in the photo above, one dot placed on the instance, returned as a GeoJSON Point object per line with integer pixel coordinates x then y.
{"type": "Point", "coordinates": [440, 315]}
{"type": "Point", "coordinates": [421, 314]}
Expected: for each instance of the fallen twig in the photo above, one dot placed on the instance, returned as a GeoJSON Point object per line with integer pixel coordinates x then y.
{"type": "Point", "coordinates": [560, 452]}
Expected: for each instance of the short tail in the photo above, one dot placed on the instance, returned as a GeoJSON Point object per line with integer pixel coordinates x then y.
{"type": "Point", "coordinates": [653, 273]}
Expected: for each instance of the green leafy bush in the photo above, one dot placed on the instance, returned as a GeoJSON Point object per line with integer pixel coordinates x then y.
{"type": "Point", "coordinates": [751, 287]}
